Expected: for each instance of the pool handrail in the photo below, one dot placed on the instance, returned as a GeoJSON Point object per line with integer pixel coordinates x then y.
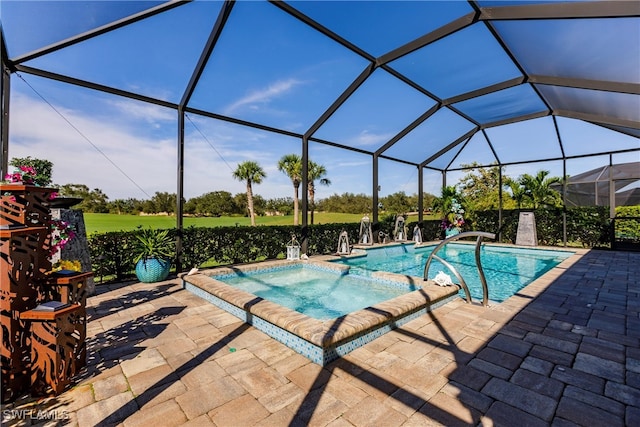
{"type": "Point", "coordinates": [463, 284]}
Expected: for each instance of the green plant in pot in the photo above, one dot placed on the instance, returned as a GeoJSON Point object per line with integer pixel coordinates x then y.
{"type": "Point", "coordinates": [154, 251]}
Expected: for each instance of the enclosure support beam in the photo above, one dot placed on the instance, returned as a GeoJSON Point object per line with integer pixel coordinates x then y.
{"type": "Point", "coordinates": [100, 30]}
{"type": "Point", "coordinates": [180, 194]}
{"type": "Point", "coordinates": [376, 189]}
{"type": "Point", "coordinates": [186, 96]}
{"type": "Point", "coordinates": [612, 190]}
{"type": "Point", "coordinates": [499, 203]}
{"type": "Point", "coordinates": [304, 239]}
{"type": "Point", "coordinates": [564, 181]}
{"type": "Point", "coordinates": [420, 195]}
{"type": "Point", "coordinates": [4, 96]}
{"type": "Point", "coordinates": [564, 202]}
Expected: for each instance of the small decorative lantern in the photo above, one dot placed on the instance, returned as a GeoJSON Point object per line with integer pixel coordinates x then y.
{"type": "Point", "coordinates": [293, 248]}
{"type": "Point", "coordinates": [343, 244]}
{"type": "Point", "coordinates": [400, 231]}
{"type": "Point", "coordinates": [366, 235]}
{"type": "Point", "coordinates": [417, 234]}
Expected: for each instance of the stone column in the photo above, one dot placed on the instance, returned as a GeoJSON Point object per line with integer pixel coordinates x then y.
{"type": "Point", "coordinates": [78, 247]}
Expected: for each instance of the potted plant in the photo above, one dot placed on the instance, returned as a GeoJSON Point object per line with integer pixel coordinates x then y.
{"type": "Point", "coordinates": [451, 208]}
{"type": "Point", "coordinates": [153, 252]}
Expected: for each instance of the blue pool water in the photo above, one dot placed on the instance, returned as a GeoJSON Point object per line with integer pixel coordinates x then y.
{"type": "Point", "coordinates": [507, 269]}
{"type": "Point", "coordinates": [320, 294]}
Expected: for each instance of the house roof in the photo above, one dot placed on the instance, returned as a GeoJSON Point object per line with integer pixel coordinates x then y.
{"type": "Point", "coordinates": [591, 188]}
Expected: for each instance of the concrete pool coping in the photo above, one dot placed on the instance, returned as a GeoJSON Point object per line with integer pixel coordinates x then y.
{"type": "Point", "coordinates": [324, 340]}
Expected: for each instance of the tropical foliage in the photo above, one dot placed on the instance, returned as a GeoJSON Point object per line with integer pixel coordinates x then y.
{"type": "Point", "coordinates": [316, 172]}
{"type": "Point", "coordinates": [291, 165]}
{"type": "Point", "coordinates": [250, 172]}
{"type": "Point", "coordinates": [450, 207]}
{"type": "Point", "coordinates": [153, 244]}
{"type": "Point", "coordinates": [480, 187]}
{"type": "Point", "coordinates": [41, 168]}
{"type": "Point", "coordinates": [537, 189]}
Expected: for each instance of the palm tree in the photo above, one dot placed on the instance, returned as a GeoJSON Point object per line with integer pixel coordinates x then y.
{"type": "Point", "coordinates": [315, 172]}
{"type": "Point", "coordinates": [443, 203]}
{"type": "Point", "coordinates": [517, 191]}
{"type": "Point", "coordinates": [250, 172]}
{"type": "Point", "coordinates": [538, 188]}
{"type": "Point", "coordinates": [291, 165]}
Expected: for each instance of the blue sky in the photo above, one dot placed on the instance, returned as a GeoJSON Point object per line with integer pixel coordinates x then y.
{"type": "Point", "coordinates": [270, 69]}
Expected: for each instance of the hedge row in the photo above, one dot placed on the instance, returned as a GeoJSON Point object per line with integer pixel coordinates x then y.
{"type": "Point", "coordinates": [112, 255]}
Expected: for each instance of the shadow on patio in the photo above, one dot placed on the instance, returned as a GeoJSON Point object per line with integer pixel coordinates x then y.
{"type": "Point", "coordinates": [566, 348]}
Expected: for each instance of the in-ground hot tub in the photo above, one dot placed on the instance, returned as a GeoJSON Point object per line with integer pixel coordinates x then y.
{"type": "Point", "coordinates": [320, 340]}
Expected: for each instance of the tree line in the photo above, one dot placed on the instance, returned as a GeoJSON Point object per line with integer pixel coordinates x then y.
{"type": "Point", "coordinates": [478, 190]}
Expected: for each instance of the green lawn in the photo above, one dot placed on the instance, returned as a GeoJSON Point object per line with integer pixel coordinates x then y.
{"type": "Point", "coordinates": [102, 223]}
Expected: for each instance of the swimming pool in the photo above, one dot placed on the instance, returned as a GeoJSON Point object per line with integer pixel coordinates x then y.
{"type": "Point", "coordinates": [316, 292]}
{"type": "Point", "coordinates": [322, 341]}
{"type": "Point", "coordinates": [507, 269]}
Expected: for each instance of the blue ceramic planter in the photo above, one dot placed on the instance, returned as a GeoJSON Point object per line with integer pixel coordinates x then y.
{"type": "Point", "coordinates": [152, 270]}
{"type": "Point", "coordinates": [451, 232]}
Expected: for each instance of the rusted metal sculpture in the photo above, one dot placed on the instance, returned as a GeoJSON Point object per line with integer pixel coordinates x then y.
{"type": "Point", "coordinates": [25, 237]}
{"type": "Point", "coordinates": [57, 338]}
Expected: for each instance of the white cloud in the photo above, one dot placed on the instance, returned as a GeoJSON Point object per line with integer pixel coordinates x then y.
{"type": "Point", "coordinates": [263, 96]}
{"type": "Point", "coordinates": [366, 138]}
{"type": "Point", "coordinates": [147, 152]}
{"type": "Point", "coordinates": [37, 130]}
{"type": "Point", "coordinates": [148, 112]}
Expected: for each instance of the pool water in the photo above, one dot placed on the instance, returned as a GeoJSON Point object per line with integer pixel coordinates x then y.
{"type": "Point", "coordinates": [317, 293]}
{"type": "Point", "coordinates": [506, 269]}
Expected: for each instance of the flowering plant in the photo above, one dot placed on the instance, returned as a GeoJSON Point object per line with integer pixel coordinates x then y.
{"type": "Point", "coordinates": [453, 218]}
{"type": "Point", "coordinates": [22, 175]}
{"type": "Point", "coordinates": [61, 233]}
{"type": "Point", "coordinates": [65, 264]}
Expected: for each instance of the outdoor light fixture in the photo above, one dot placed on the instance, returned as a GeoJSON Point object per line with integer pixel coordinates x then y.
{"type": "Point", "coordinates": [293, 248]}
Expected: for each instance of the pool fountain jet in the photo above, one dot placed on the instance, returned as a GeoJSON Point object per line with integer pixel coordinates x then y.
{"type": "Point", "coordinates": [417, 234]}
{"type": "Point", "coordinates": [400, 231]}
{"type": "Point", "coordinates": [343, 244]}
{"type": "Point", "coordinates": [366, 235]}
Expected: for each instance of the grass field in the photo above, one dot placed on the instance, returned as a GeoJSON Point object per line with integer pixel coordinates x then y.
{"type": "Point", "coordinates": [102, 223]}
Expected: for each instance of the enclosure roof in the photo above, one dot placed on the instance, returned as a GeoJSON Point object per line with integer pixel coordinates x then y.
{"type": "Point", "coordinates": [619, 172]}
{"type": "Point", "coordinates": [421, 82]}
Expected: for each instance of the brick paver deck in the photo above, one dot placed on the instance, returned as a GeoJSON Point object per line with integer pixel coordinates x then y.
{"type": "Point", "coordinates": [564, 351]}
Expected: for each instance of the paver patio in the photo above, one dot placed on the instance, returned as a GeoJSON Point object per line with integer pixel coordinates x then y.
{"type": "Point", "coordinates": [564, 351]}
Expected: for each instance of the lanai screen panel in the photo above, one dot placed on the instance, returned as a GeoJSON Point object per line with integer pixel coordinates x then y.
{"type": "Point", "coordinates": [433, 135]}
{"type": "Point", "coordinates": [525, 141]}
{"type": "Point", "coordinates": [476, 150]}
{"type": "Point", "coordinates": [32, 25]}
{"type": "Point", "coordinates": [579, 138]}
{"type": "Point", "coordinates": [306, 71]}
{"type": "Point", "coordinates": [600, 105]}
{"type": "Point", "coordinates": [506, 104]}
{"type": "Point", "coordinates": [592, 188]}
{"type": "Point", "coordinates": [592, 49]}
{"type": "Point", "coordinates": [379, 27]}
{"type": "Point", "coordinates": [142, 57]}
{"type": "Point", "coordinates": [456, 56]}
{"type": "Point", "coordinates": [464, 61]}
{"type": "Point", "coordinates": [380, 108]}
